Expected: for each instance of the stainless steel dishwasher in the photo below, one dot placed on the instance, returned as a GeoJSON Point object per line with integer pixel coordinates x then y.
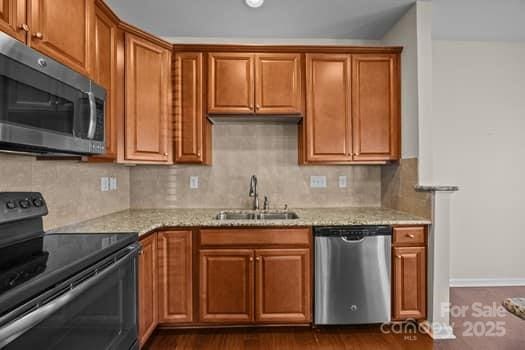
{"type": "Point", "coordinates": [352, 274]}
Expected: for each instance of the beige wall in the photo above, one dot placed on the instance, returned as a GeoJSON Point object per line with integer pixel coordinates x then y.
{"type": "Point", "coordinates": [71, 189]}
{"type": "Point", "coordinates": [397, 191]}
{"type": "Point", "coordinates": [240, 150]}
{"type": "Point", "coordinates": [479, 113]}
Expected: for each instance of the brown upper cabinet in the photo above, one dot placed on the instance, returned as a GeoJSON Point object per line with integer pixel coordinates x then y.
{"type": "Point", "coordinates": [231, 83]}
{"type": "Point", "coordinates": [278, 83]}
{"type": "Point", "coordinates": [60, 29]}
{"type": "Point", "coordinates": [192, 128]}
{"type": "Point", "coordinates": [247, 83]}
{"type": "Point", "coordinates": [105, 71]}
{"type": "Point", "coordinates": [63, 29]}
{"type": "Point", "coordinates": [353, 109]}
{"type": "Point", "coordinates": [147, 122]}
{"type": "Point", "coordinates": [328, 117]}
{"type": "Point", "coordinates": [376, 107]}
{"type": "Point", "coordinates": [13, 18]}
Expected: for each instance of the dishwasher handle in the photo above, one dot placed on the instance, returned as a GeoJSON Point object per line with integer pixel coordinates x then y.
{"type": "Point", "coordinates": [350, 239]}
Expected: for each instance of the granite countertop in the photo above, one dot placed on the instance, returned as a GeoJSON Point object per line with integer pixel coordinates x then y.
{"type": "Point", "coordinates": [143, 221]}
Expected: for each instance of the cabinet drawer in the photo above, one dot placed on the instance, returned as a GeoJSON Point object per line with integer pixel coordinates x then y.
{"type": "Point", "coordinates": [409, 235]}
{"type": "Point", "coordinates": [256, 236]}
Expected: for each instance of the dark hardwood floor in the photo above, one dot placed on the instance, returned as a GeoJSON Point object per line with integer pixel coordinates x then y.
{"type": "Point", "coordinates": [364, 337]}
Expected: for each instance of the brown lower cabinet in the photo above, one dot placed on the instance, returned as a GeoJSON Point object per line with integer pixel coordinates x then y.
{"type": "Point", "coordinates": [255, 276]}
{"type": "Point", "coordinates": [174, 258]}
{"type": "Point", "coordinates": [282, 285]}
{"type": "Point", "coordinates": [409, 282]}
{"type": "Point", "coordinates": [147, 288]}
{"type": "Point", "coordinates": [226, 285]}
{"type": "Point", "coordinates": [247, 276]}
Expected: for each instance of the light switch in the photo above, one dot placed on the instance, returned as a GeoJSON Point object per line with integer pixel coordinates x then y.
{"type": "Point", "coordinates": [318, 181]}
{"type": "Point", "coordinates": [194, 182]}
{"type": "Point", "coordinates": [342, 181]}
{"type": "Point", "coordinates": [104, 184]}
{"type": "Point", "coordinates": [113, 183]}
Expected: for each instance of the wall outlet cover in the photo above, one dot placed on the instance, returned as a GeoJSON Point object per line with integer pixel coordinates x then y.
{"type": "Point", "coordinates": [343, 181]}
{"type": "Point", "coordinates": [113, 183]}
{"type": "Point", "coordinates": [318, 181]}
{"type": "Point", "coordinates": [104, 184]}
{"type": "Point", "coordinates": [194, 182]}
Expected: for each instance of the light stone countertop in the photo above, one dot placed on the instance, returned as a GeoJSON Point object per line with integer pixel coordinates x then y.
{"type": "Point", "coordinates": [144, 221]}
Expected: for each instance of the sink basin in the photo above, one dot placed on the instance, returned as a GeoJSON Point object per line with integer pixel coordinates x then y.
{"type": "Point", "coordinates": [228, 215]}
{"type": "Point", "coordinates": [267, 215]}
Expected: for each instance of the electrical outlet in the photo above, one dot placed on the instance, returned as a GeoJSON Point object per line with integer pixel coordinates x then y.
{"type": "Point", "coordinates": [194, 182]}
{"type": "Point", "coordinates": [113, 183]}
{"type": "Point", "coordinates": [343, 181]}
{"type": "Point", "coordinates": [318, 181]}
{"type": "Point", "coordinates": [104, 184]}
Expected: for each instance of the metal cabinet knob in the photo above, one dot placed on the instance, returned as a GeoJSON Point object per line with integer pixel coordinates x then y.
{"type": "Point", "coordinates": [251, 259]}
{"type": "Point", "coordinates": [24, 27]}
{"type": "Point", "coordinates": [38, 35]}
{"type": "Point", "coordinates": [258, 258]}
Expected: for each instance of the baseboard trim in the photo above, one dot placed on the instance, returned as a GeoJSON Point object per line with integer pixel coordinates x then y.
{"type": "Point", "coordinates": [486, 282]}
{"type": "Point", "coordinates": [438, 331]}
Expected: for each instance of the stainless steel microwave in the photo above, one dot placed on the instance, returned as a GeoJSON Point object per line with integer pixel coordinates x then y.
{"type": "Point", "coordinates": [46, 107]}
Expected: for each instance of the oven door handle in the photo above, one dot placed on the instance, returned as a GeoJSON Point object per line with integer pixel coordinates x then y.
{"type": "Point", "coordinates": [92, 115]}
{"type": "Point", "coordinates": [15, 329]}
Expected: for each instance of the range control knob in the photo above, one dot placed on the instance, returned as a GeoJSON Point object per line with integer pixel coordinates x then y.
{"type": "Point", "coordinates": [24, 203]}
{"type": "Point", "coordinates": [10, 205]}
{"type": "Point", "coordinates": [37, 202]}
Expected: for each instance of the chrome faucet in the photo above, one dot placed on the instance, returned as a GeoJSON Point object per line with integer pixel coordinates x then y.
{"type": "Point", "coordinates": [253, 192]}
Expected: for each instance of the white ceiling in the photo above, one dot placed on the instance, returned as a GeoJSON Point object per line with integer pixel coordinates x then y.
{"type": "Point", "coordinates": [280, 19]}
{"type": "Point", "coordinates": [317, 20]}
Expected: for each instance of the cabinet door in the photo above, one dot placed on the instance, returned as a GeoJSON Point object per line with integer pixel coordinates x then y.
{"type": "Point", "coordinates": [175, 276]}
{"type": "Point", "coordinates": [148, 116]}
{"type": "Point", "coordinates": [376, 108]}
{"type": "Point", "coordinates": [409, 283]}
{"type": "Point", "coordinates": [147, 291]}
{"type": "Point", "coordinates": [64, 29]}
{"type": "Point", "coordinates": [278, 83]}
{"type": "Point", "coordinates": [13, 18]}
{"type": "Point", "coordinates": [104, 72]}
{"type": "Point", "coordinates": [189, 116]}
{"type": "Point", "coordinates": [283, 285]}
{"type": "Point", "coordinates": [231, 83]}
{"type": "Point", "coordinates": [226, 285]}
{"type": "Point", "coordinates": [328, 124]}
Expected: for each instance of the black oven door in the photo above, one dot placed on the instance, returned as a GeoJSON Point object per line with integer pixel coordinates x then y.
{"type": "Point", "coordinates": [45, 106]}
{"type": "Point", "coordinates": [98, 312]}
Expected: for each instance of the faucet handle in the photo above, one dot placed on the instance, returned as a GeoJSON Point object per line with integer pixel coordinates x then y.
{"type": "Point", "coordinates": [286, 207]}
{"type": "Point", "coordinates": [266, 205]}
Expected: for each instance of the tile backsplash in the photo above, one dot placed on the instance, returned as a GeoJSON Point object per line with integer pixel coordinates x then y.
{"type": "Point", "coordinates": [397, 192]}
{"type": "Point", "coordinates": [71, 188]}
{"type": "Point", "coordinates": [241, 149]}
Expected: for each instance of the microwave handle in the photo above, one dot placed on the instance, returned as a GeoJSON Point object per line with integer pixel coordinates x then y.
{"type": "Point", "coordinates": [92, 115]}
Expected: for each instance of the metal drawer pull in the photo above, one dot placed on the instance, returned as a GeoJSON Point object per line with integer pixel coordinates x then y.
{"type": "Point", "coordinates": [38, 35]}
{"type": "Point", "coordinates": [409, 235]}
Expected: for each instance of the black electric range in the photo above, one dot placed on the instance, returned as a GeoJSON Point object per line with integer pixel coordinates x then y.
{"type": "Point", "coordinates": [63, 291]}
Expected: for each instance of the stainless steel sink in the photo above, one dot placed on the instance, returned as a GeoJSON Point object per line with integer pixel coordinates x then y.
{"type": "Point", "coordinates": [267, 215]}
